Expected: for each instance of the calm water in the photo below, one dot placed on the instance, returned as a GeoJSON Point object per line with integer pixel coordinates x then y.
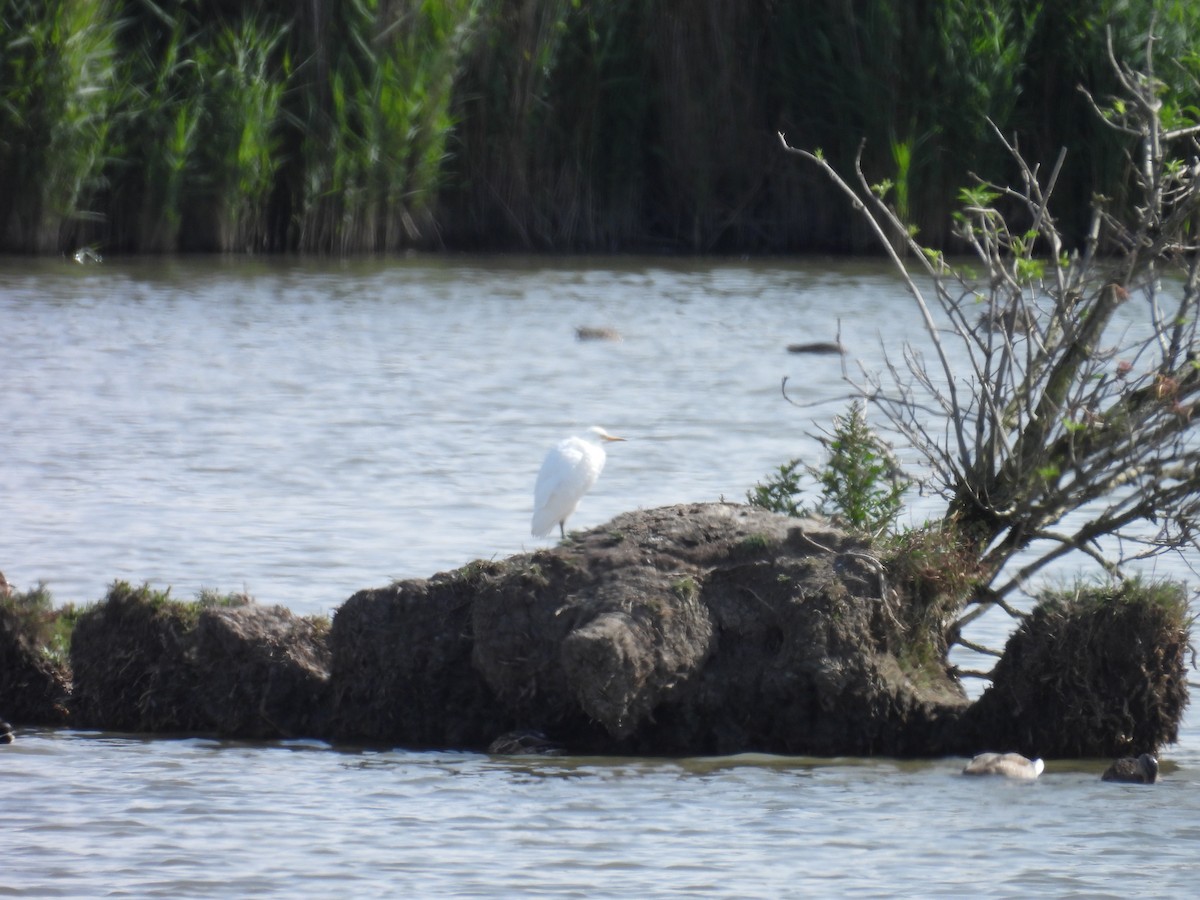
{"type": "Point", "coordinates": [300, 431]}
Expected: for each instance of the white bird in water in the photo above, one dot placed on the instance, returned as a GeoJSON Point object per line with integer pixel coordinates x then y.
{"type": "Point", "coordinates": [1010, 765]}
{"type": "Point", "coordinates": [568, 472]}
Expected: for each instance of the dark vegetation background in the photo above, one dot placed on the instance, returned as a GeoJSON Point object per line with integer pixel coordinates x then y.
{"type": "Point", "coordinates": [339, 126]}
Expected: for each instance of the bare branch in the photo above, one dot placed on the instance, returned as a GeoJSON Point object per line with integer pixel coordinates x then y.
{"type": "Point", "coordinates": [1058, 419]}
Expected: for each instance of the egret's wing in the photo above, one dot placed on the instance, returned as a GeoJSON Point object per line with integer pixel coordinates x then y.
{"type": "Point", "coordinates": [567, 473]}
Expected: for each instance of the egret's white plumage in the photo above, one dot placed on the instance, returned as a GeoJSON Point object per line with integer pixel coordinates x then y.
{"type": "Point", "coordinates": [1010, 765]}
{"type": "Point", "coordinates": [568, 472]}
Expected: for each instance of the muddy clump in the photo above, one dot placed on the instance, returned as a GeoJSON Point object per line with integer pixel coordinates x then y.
{"type": "Point", "coordinates": [1099, 674]}
{"type": "Point", "coordinates": [143, 662]}
{"type": "Point", "coordinates": [704, 628]}
{"type": "Point", "coordinates": [35, 683]}
{"type": "Point", "coordinates": [401, 665]}
{"type": "Point", "coordinates": [263, 672]}
{"type": "Point", "coordinates": [133, 660]}
{"type": "Point", "coordinates": [696, 629]}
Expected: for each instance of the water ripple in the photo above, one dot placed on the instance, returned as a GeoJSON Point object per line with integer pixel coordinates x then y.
{"type": "Point", "coordinates": [303, 430]}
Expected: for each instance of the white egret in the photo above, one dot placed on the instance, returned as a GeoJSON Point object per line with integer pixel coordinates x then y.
{"type": "Point", "coordinates": [1010, 765]}
{"type": "Point", "coordinates": [568, 472]}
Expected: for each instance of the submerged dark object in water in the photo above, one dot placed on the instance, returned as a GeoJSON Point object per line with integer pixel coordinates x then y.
{"type": "Point", "coordinates": [1140, 770]}
{"type": "Point", "coordinates": [525, 743]}
{"type": "Point", "coordinates": [1008, 765]}
{"type": "Point", "coordinates": [828, 348]}
{"type": "Point", "coordinates": [596, 333]}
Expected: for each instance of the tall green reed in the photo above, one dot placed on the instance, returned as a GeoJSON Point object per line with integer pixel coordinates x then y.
{"type": "Point", "coordinates": [551, 151]}
{"type": "Point", "coordinates": [372, 107]}
{"type": "Point", "coordinates": [911, 85]}
{"type": "Point", "coordinates": [350, 125]}
{"type": "Point", "coordinates": [156, 125]}
{"type": "Point", "coordinates": [238, 159]}
{"type": "Point", "coordinates": [56, 76]}
{"type": "Point", "coordinates": [1070, 49]}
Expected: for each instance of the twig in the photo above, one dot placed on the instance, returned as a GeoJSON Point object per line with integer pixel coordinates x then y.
{"type": "Point", "coordinates": [978, 648]}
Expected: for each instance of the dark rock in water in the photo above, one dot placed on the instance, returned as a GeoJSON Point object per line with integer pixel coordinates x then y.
{"type": "Point", "coordinates": [704, 628]}
{"type": "Point", "coordinates": [133, 661]}
{"type": "Point", "coordinates": [722, 628]}
{"type": "Point", "coordinates": [696, 629]}
{"type": "Point", "coordinates": [265, 672]}
{"type": "Point", "coordinates": [144, 663]}
{"type": "Point", "coordinates": [1140, 770]}
{"type": "Point", "coordinates": [34, 689]}
{"type": "Point", "coordinates": [1087, 679]}
{"type": "Point", "coordinates": [6, 733]}
{"type": "Point", "coordinates": [402, 670]}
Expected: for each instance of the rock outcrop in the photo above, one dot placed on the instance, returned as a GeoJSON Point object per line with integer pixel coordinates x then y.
{"type": "Point", "coordinates": [34, 689]}
{"type": "Point", "coordinates": [695, 629]}
{"type": "Point", "coordinates": [144, 663]}
{"type": "Point", "coordinates": [705, 628]}
{"type": "Point", "coordinates": [1104, 674]}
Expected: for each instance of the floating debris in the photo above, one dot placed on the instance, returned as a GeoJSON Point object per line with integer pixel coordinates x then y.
{"type": "Point", "coordinates": [525, 743]}
{"type": "Point", "coordinates": [827, 348]}
{"type": "Point", "coordinates": [589, 333]}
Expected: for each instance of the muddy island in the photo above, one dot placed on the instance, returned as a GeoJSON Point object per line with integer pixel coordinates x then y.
{"type": "Point", "coordinates": [687, 630]}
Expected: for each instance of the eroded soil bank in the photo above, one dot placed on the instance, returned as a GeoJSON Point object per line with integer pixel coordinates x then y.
{"type": "Point", "coordinates": [686, 630]}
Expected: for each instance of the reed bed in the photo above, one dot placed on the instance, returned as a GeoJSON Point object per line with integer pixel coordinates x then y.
{"type": "Point", "coordinates": [344, 126]}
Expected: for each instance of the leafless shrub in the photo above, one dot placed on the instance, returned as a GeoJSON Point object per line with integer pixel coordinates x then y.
{"type": "Point", "coordinates": [1071, 427]}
